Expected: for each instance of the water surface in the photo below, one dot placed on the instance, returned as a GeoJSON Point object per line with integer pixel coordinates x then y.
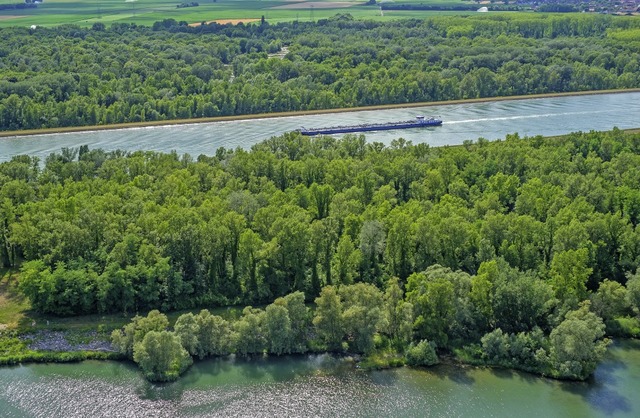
{"type": "Point", "coordinates": [318, 385]}
{"type": "Point", "coordinates": [490, 120]}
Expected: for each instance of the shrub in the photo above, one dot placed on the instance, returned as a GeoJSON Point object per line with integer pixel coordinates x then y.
{"type": "Point", "coordinates": [422, 354]}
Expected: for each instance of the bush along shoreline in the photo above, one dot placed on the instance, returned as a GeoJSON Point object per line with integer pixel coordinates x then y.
{"type": "Point", "coordinates": [355, 319]}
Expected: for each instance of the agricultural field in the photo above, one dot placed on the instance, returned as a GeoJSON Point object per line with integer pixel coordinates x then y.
{"type": "Point", "coordinates": [146, 12]}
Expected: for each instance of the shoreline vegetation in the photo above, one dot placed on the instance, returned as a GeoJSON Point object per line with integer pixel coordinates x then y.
{"type": "Point", "coordinates": [529, 268]}
{"type": "Point", "coordinates": [133, 125]}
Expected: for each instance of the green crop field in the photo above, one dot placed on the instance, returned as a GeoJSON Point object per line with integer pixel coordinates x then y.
{"type": "Point", "coordinates": [146, 12]}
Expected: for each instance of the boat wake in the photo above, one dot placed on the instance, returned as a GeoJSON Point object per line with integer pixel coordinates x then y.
{"type": "Point", "coordinates": [542, 115]}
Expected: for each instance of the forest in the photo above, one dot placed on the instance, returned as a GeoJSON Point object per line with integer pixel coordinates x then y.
{"type": "Point", "coordinates": [522, 253]}
{"type": "Point", "coordinates": [71, 76]}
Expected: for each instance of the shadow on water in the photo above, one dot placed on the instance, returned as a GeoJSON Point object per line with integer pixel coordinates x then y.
{"type": "Point", "coordinates": [386, 378]}
{"type": "Point", "coordinates": [275, 368]}
{"type": "Point", "coordinates": [459, 374]}
{"type": "Point", "coordinates": [512, 374]}
{"type": "Point", "coordinates": [240, 371]}
{"type": "Point", "coordinates": [197, 372]}
{"type": "Point", "coordinates": [159, 391]}
{"type": "Point", "coordinates": [600, 396]}
{"type": "Point", "coordinates": [254, 367]}
{"type": "Point", "coordinates": [211, 367]}
{"type": "Point", "coordinates": [257, 369]}
{"type": "Point", "coordinates": [601, 390]}
{"type": "Point", "coordinates": [289, 367]}
{"type": "Point", "coordinates": [520, 375]}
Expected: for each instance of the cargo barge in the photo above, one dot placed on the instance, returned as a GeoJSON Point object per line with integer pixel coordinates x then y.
{"type": "Point", "coordinates": [419, 122]}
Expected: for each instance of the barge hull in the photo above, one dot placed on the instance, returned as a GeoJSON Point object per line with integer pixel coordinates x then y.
{"type": "Point", "coordinates": [419, 123]}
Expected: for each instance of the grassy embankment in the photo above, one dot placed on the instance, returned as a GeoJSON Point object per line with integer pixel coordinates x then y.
{"type": "Point", "coordinates": [146, 12]}
{"type": "Point", "coordinates": [28, 132]}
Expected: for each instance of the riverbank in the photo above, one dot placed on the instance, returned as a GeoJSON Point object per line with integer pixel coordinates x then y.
{"type": "Point", "coordinates": [31, 132]}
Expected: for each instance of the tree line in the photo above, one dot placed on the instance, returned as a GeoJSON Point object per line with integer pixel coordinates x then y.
{"type": "Point", "coordinates": [72, 76]}
{"type": "Point", "coordinates": [458, 7]}
{"type": "Point", "coordinates": [360, 318]}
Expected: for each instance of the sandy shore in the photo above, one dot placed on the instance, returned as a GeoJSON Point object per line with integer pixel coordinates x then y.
{"type": "Point", "coordinates": [299, 113]}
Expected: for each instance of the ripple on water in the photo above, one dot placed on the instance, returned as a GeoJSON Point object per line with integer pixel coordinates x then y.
{"type": "Point", "coordinates": [316, 386]}
{"type": "Point", "coordinates": [66, 397]}
{"type": "Point", "coordinates": [352, 394]}
{"type": "Point", "coordinates": [543, 116]}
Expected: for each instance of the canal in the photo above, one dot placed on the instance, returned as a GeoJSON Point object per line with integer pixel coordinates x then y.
{"type": "Point", "coordinates": [490, 120]}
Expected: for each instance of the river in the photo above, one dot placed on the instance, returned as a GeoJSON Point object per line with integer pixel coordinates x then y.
{"type": "Point", "coordinates": [468, 121]}
{"type": "Point", "coordinates": [318, 385]}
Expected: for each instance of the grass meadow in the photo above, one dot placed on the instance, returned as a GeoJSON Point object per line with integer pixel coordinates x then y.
{"type": "Point", "coordinates": [146, 12]}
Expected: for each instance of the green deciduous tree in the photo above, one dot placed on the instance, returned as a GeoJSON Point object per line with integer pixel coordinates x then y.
{"type": "Point", "coordinates": [482, 293]}
{"type": "Point", "coordinates": [362, 315]}
{"type": "Point", "coordinates": [400, 244]}
{"type": "Point", "coordinates": [161, 356]}
{"type": "Point", "coordinates": [433, 302]}
{"type": "Point", "coordinates": [633, 291]}
{"type": "Point", "coordinates": [328, 318]}
{"type": "Point", "coordinates": [372, 245]}
{"type": "Point", "coordinates": [422, 354]}
{"type": "Point", "coordinates": [398, 313]}
{"type": "Point", "coordinates": [521, 302]}
{"type": "Point", "coordinates": [251, 335]}
{"type": "Point", "coordinates": [610, 301]}
{"type": "Point", "coordinates": [215, 336]}
{"type": "Point", "coordinates": [187, 329]}
{"type": "Point", "coordinates": [278, 328]}
{"type": "Point", "coordinates": [126, 339]}
{"type": "Point", "coordinates": [345, 262]}
{"type": "Point", "coordinates": [577, 345]}
{"type": "Point", "coordinates": [569, 274]}
{"type": "Point", "coordinates": [300, 321]}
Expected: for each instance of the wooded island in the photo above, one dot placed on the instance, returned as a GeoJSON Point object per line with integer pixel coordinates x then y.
{"type": "Point", "coordinates": [516, 253]}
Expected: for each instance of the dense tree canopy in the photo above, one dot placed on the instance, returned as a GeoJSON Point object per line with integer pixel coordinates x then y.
{"type": "Point", "coordinates": [71, 76]}
{"type": "Point", "coordinates": [117, 232]}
